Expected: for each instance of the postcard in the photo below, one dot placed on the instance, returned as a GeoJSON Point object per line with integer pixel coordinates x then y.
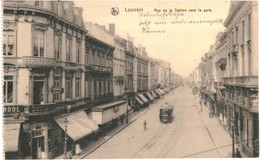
{"type": "Point", "coordinates": [129, 79]}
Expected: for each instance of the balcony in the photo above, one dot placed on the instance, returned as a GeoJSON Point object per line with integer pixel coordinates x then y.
{"type": "Point", "coordinates": [248, 103]}
{"type": "Point", "coordinates": [129, 89]}
{"type": "Point", "coordinates": [99, 99]}
{"type": "Point", "coordinates": [119, 78]}
{"type": "Point", "coordinates": [245, 81]}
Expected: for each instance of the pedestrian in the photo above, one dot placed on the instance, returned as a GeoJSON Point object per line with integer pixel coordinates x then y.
{"type": "Point", "coordinates": [238, 155]}
{"type": "Point", "coordinates": [145, 125]}
{"type": "Point", "coordinates": [201, 106]}
{"type": "Point", "coordinates": [77, 149]}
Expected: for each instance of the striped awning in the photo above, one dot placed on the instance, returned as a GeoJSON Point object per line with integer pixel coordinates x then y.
{"type": "Point", "coordinates": [139, 100]}
{"type": "Point", "coordinates": [154, 95]}
{"type": "Point", "coordinates": [143, 98]}
{"type": "Point", "coordinates": [79, 125]}
{"type": "Point", "coordinates": [149, 95]}
{"type": "Point", "coordinates": [160, 90]}
{"type": "Point", "coordinates": [11, 137]}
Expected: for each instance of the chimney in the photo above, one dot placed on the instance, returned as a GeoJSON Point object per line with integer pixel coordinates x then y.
{"type": "Point", "coordinates": [112, 28]}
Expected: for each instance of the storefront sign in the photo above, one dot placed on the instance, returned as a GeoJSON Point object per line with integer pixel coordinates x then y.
{"type": "Point", "coordinates": [40, 108]}
{"type": "Point", "coordinates": [102, 69]}
{"type": "Point", "coordinates": [35, 61]}
{"type": "Point", "coordinates": [13, 109]}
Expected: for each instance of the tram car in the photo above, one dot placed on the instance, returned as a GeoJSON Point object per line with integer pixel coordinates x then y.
{"type": "Point", "coordinates": [166, 113]}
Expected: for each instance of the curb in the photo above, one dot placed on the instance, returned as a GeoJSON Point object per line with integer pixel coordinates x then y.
{"type": "Point", "coordinates": [84, 155]}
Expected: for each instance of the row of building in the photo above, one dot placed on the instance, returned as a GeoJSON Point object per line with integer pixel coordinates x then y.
{"type": "Point", "coordinates": [228, 76]}
{"type": "Point", "coordinates": [63, 75]}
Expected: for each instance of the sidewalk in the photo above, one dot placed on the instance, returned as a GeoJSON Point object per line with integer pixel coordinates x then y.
{"type": "Point", "coordinates": [91, 146]}
{"type": "Point", "coordinates": [220, 136]}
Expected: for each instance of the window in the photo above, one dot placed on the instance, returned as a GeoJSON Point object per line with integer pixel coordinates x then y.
{"type": "Point", "coordinates": [57, 40]}
{"type": "Point", "coordinates": [108, 87]}
{"type": "Point", "coordinates": [78, 88]}
{"type": "Point", "coordinates": [86, 56]}
{"type": "Point", "coordinates": [78, 52]}
{"type": "Point", "coordinates": [87, 88]}
{"type": "Point", "coordinates": [38, 43]}
{"type": "Point", "coordinates": [68, 49]}
{"type": "Point", "coordinates": [57, 83]}
{"type": "Point", "coordinates": [8, 89]}
{"type": "Point", "coordinates": [100, 87]}
{"type": "Point", "coordinates": [37, 3]}
{"type": "Point", "coordinates": [68, 85]}
{"type": "Point", "coordinates": [8, 45]}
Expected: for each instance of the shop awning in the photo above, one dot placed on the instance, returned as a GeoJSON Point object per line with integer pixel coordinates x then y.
{"type": "Point", "coordinates": [11, 137]}
{"type": "Point", "coordinates": [139, 100]}
{"type": "Point", "coordinates": [143, 98]}
{"type": "Point", "coordinates": [79, 125]}
{"type": "Point", "coordinates": [154, 95]}
{"type": "Point", "coordinates": [157, 91]}
{"type": "Point", "coordinates": [160, 90]}
{"type": "Point", "coordinates": [149, 95]}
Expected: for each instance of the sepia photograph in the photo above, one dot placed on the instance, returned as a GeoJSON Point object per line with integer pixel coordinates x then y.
{"type": "Point", "coordinates": [100, 79]}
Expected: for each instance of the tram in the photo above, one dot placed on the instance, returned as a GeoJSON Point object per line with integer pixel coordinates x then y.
{"type": "Point", "coordinates": [166, 113]}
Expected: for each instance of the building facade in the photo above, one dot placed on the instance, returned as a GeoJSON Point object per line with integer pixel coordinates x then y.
{"type": "Point", "coordinates": [99, 70]}
{"type": "Point", "coordinates": [142, 70]}
{"type": "Point", "coordinates": [241, 81]}
{"type": "Point", "coordinates": [233, 68]}
{"type": "Point", "coordinates": [44, 71]}
{"type": "Point", "coordinates": [129, 71]}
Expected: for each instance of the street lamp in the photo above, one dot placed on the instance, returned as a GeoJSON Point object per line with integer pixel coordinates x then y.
{"type": "Point", "coordinates": [233, 138]}
{"type": "Point", "coordinates": [65, 138]}
{"type": "Point", "coordinates": [126, 119]}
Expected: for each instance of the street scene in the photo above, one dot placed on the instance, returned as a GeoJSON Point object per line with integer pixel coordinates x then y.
{"type": "Point", "coordinates": [190, 128]}
{"type": "Point", "coordinates": [127, 80]}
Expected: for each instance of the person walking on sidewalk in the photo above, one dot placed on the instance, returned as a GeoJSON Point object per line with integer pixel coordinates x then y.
{"type": "Point", "coordinates": [238, 154]}
{"type": "Point", "coordinates": [210, 111]}
{"type": "Point", "coordinates": [201, 106]}
{"type": "Point", "coordinates": [145, 125]}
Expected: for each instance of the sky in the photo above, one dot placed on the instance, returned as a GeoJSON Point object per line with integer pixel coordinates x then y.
{"type": "Point", "coordinates": [181, 44]}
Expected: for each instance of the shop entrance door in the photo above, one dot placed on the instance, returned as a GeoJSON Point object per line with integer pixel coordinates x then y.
{"type": "Point", "coordinates": [37, 92]}
{"type": "Point", "coordinates": [37, 147]}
